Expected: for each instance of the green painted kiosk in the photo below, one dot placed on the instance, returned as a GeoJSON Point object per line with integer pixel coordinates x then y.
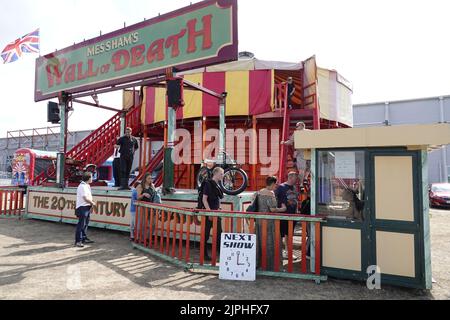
{"type": "Point", "coordinates": [371, 184]}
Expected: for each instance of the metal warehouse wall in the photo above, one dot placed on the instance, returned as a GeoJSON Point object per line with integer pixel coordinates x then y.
{"type": "Point", "coordinates": [44, 142]}
{"type": "Point", "coordinates": [418, 111]}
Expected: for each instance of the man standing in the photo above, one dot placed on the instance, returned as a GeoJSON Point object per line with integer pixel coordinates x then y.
{"type": "Point", "coordinates": [128, 145]}
{"type": "Point", "coordinates": [211, 201]}
{"type": "Point", "coordinates": [291, 91]}
{"type": "Point", "coordinates": [286, 194]}
{"type": "Point", "coordinates": [303, 165]}
{"type": "Point", "coordinates": [83, 210]}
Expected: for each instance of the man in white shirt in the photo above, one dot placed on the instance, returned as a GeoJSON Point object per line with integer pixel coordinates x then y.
{"type": "Point", "coordinates": [83, 210]}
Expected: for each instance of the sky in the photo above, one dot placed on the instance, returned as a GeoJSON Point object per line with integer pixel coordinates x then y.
{"type": "Point", "coordinates": [389, 50]}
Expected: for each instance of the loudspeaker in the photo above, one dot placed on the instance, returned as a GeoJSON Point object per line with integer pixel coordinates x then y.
{"type": "Point", "coordinates": [53, 112]}
{"type": "Point", "coordinates": [175, 93]}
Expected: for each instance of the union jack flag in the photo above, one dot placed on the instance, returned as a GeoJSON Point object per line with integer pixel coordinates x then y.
{"type": "Point", "coordinates": [27, 44]}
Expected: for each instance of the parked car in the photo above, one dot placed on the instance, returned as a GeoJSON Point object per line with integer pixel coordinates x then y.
{"type": "Point", "coordinates": [439, 194]}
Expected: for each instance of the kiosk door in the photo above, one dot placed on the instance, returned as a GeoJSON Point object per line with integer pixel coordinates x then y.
{"type": "Point", "coordinates": [395, 217]}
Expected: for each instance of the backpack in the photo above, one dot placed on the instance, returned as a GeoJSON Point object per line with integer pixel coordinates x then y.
{"type": "Point", "coordinates": [254, 206]}
{"type": "Point", "coordinates": [305, 207]}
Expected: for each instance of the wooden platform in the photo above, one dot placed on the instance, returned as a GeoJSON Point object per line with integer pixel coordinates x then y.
{"type": "Point", "coordinates": [113, 207]}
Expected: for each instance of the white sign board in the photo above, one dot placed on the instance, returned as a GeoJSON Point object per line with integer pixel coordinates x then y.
{"type": "Point", "coordinates": [238, 257]}
{"type": "Point", "coordinates": [345, 165]}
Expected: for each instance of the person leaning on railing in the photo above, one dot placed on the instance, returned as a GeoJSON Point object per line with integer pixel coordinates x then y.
{"type": "Point", "coordinates": [145, 192]}
{"type": "Point", "coordinates": [267, 202]}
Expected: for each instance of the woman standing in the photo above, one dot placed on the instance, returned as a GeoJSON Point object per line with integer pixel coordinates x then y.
{"type": "Point", "coordinates": [146, 189]}
{"type": "Point", "coordinates": [267, 202]}
{"type": "Point", "coordinates": [146, 192]}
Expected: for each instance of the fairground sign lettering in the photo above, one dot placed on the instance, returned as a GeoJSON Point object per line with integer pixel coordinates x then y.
{"type": "Point", "coordinates": [199, 35]}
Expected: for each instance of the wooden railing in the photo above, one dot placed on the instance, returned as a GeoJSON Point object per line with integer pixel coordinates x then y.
{"type": "Point", "coordinates": [166, 232]}
{"type": "Point", "coordinates": [12, 202]}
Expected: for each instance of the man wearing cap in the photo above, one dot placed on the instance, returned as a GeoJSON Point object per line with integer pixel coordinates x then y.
{"type": "Point", "coordinates": [299, 155]}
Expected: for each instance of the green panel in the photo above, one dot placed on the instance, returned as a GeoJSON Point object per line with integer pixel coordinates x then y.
{"type": "Point", "coordinates": [136, 50]}
{"type": "Point", "coordinates": [413, 228]}
{"type": "Point", "coordinates": [169, 168]}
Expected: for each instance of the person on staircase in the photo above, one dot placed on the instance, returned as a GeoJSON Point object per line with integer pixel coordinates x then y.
{"type": "Point", "coordinates": [127, 146]}
{"type": "Point", "coordinates": [303, 165]}
{"type": "Point", "coordinates": [291, 91]}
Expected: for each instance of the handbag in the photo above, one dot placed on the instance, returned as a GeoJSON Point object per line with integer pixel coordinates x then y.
{"type": "Point", "coordinates": [254, 206]}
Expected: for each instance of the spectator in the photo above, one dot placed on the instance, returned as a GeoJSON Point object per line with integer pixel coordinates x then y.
{"type": "Point", "coordinates": [267, 202]}
{"type": "Point", "coordinates": [83, 210]}
{"type": "Point", "coordinates": [146, 189]}
{"type": "Point", "coordinates": [128, 145]}
{"type": "Point", "coordinates": [133, 212]}
{"type": "Point", "coordinates": [287, 195]}
{"type": "Point", "coordinates": [212, 194]}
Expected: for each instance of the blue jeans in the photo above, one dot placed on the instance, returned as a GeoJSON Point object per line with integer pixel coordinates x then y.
{"type": "Point", "coordinates": [84, 214]}
{"type": "Point", "coordinates": [132, 224]}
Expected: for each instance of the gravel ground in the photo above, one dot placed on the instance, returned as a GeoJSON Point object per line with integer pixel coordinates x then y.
{"type": "Point", "coordinates": [38, 261]}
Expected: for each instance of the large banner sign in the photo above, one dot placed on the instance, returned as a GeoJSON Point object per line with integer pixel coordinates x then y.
{"type": "Point", "coordinates": [109, 210]}
{"type": "Point", "coordinates": [199, 35]}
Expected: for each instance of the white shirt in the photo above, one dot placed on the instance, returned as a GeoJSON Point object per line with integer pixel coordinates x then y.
{"type": "Point", "coordinates": [83, 190]}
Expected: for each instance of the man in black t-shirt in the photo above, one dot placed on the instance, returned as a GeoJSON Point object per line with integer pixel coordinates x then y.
{"type": "Point", "coordinates": [128, 145]}
{"type": "Point", "coordinates": [291, 91]}
{"type": "Point", "coordinates": [211, 201]}
{"type": "Point", "coordinates": [287, 194]}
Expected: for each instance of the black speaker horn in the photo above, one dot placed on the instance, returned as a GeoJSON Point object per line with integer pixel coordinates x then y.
{"type": "Point", "coordinates": [175, 93]}
{"type": "Point", "coordinates": [53, 112]}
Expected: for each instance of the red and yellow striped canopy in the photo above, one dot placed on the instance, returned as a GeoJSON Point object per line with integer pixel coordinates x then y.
{"type": "Point", "coordinates": [249, 93]}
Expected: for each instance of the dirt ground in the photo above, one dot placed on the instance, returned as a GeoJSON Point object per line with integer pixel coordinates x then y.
{"type": "Point", "coordinates": [38, 261]}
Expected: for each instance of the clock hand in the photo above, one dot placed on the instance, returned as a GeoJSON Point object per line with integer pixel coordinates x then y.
{"type": "Point", "coordinates": [237, 262]}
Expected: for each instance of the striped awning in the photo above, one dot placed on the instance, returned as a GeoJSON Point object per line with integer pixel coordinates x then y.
{"type": "Point", "coordinates": [249, 93]}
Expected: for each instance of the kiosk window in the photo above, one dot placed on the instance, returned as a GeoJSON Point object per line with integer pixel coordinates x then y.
{"type": "Point", "coordinates": [341, 180]}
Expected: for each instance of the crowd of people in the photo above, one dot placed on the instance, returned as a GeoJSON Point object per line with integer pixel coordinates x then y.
{"type": "Point", "coordinates": [274, 198]}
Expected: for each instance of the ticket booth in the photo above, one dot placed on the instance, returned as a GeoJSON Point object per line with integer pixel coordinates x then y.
{"type": "Point", "coordinates": [371, 184]}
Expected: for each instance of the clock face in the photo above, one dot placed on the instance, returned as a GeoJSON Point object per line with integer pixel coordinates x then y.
{"type": "Point", "coordinates": [237, 264]}
{"type": "Point", "coordinates": [238, 257]}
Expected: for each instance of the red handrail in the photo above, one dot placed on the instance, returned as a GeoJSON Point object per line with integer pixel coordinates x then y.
{"type": "Point", "coordinates": [97, 147]}
{"type": "Point", "coordinates": [133, 119]}
{"type": "Point", "coordinates": [154, 230]}
{"type": "Point", "coordinates": [11, 201]}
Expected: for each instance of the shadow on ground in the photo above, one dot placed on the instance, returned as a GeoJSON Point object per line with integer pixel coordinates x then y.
{"type": "Point", "coordinates": [30, 246]}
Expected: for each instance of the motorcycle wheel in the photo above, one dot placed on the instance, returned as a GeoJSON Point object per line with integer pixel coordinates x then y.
{"type": "Point", "coordinates": [235, 181]}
